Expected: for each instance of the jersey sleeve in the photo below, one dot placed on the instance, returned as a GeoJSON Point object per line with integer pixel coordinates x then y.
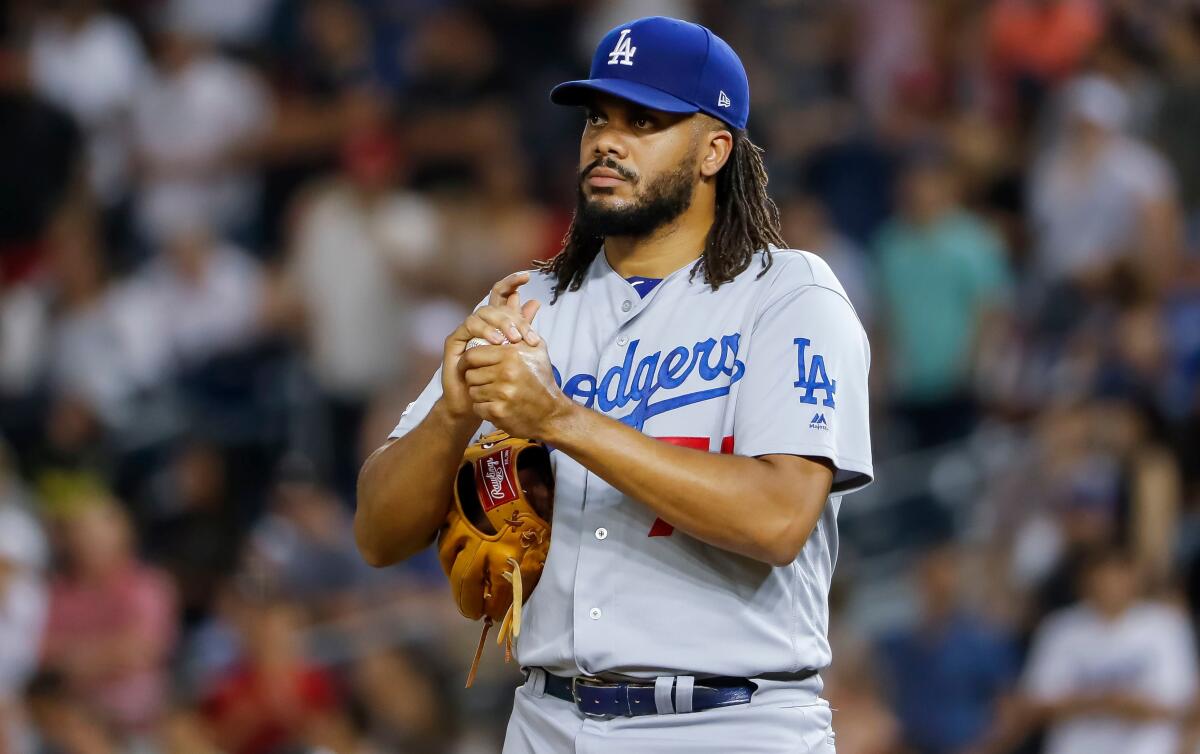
{"type": "Point", "coordinates": [805, 388]}
{"type": "Point", "coordinates": [420, 408]}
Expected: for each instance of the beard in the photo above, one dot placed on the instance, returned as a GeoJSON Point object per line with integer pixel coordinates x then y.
{"type": "Point", "coordinates": [664, 199]}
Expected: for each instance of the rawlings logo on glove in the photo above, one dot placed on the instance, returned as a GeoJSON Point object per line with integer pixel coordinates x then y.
{"type": "Point", "coordinates": [499, 488]}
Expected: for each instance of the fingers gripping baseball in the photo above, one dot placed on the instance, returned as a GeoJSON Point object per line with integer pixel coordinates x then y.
{"type": "Point", "coordinates": [513, 387]}
{"type": "Point", "coordinates": [502, 320]}
{"type": "Point", "coordinates": [502, 324]}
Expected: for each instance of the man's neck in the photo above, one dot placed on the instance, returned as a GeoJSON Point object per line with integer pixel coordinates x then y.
{"type": "Point", "coordinates": [665, 250]}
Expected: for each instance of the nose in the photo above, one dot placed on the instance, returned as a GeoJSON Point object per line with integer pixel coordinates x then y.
{"type": "Point", "coordinates": [608, 143]}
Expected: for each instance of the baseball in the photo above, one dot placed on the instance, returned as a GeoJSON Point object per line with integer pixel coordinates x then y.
{"type": "Point", "coordinates": [476, 342]}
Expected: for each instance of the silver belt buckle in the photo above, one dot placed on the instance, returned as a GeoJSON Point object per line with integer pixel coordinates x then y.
{"type": "Point", "coordinates": [576, 682]}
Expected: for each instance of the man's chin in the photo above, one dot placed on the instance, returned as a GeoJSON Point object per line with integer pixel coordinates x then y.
{"type": "Point", "coordinates": [607, 199]}
{"type": "Point", "coordinates": [607, 211]}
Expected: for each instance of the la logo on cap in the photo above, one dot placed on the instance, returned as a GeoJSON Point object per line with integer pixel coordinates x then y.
{"type": "Point", "coordinates": [623, 51]}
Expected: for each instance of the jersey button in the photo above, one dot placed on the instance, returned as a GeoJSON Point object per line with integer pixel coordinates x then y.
{"type": "Point", "coordinates": [602, 533]}
{"type": "Point", "coordinates": [626, 305]}
{"type": "Point", "coordinates": [594, 613]}
{"type": "Point", "coordinates": [621, 341]}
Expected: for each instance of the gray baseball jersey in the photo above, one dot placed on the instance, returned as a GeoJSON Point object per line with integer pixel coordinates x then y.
{"type": "Point", "coordinates": [763, 365]}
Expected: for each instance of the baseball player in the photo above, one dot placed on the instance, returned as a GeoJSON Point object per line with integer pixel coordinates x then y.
{"type": "Point", "coordinates": [704, 393]}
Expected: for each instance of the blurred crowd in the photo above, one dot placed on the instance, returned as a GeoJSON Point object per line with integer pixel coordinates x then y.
{"type": "Point", "coordinates": [233, 234]}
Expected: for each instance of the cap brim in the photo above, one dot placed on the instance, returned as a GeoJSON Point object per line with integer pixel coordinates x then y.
{"type": "Point", "coordinates": [576, 93]}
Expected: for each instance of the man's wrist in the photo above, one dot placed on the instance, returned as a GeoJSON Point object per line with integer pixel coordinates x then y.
{"type": "Point", "coordinates": [562, 423]}
{"type": "Point", "coordinates": [463, 426]}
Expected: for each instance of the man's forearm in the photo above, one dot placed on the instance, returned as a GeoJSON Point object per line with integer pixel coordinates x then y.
{"type": "Point", "coordinates": [1137, 708]}
{"type": "Point", "coordinates": [404, 488]}
{"type": "Point", "coordinates": [763, 508]}
{"type": "Point", "coordinates": [1124, 706]}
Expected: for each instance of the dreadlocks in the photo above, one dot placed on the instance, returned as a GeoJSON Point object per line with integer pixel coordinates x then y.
{"type": "Point", "coordinates": [746, 221]}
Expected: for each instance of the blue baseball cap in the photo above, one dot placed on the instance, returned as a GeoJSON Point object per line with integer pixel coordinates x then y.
{"type": "Point", "coordinates": [669, 65]}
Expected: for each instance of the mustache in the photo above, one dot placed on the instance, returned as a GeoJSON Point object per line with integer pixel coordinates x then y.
{"type": "Point", "coordinates": [611, 164]}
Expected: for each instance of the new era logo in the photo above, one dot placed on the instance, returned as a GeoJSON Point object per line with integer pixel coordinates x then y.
{"type": "Point", "coordinates": [623, 50]}
{"type": "Point", "coordinates": [723, 100]}
{"type": "Point", "coordinates": [818, 422]}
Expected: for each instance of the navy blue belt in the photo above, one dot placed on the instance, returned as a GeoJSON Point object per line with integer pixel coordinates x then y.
{"type": "Point", "coordinates": [601, 699]}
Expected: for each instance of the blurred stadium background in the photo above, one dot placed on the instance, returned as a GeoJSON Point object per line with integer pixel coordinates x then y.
{"type": "Point", "coordinates": [233, 234]}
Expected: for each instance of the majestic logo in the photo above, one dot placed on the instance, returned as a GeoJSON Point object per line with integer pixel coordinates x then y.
{"type": "Point", "coordinates": [723, 100]}
{"type": "Point", "coordinates": [623, 52]}
{"type": "Point", "coordinates": [636, 384]}
{"type": "Point", "coordinates": [492, 480]}
{"type": "Point", "coordinates": [818, 422]}
{"type": "Point", "coordinates": [812, 377]}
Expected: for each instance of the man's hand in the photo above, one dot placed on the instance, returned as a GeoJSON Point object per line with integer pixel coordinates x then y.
{"type": "Point", "coordinates": [502, 320]}
{"type": "Point", "coordinates": [513, 387]}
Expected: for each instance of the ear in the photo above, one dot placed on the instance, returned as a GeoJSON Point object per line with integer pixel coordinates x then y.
{"type": "Point", "coordinates": [717, 150]}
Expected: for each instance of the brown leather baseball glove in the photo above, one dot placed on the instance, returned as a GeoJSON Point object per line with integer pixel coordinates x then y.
{"type": "Point", "coordinates": [496, 536]}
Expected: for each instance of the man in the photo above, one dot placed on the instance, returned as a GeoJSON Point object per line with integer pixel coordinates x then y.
{"type": "Point", "coordinates": [1100, 199]}
{"type": "Point", "coordinates": [1114, 673]}
{"type": "Point", "coordinates": [938, 339]}
{"type": "Point", "coordinates": [111, 622]}
{"type": "Point", "coordinates": [947, 673]}
{"type": "Point", "coordinates": [705, 393]}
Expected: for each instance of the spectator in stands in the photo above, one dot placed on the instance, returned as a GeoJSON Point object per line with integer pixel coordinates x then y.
{"type": "Point", "coordinates": [91, 63]}
{"type": "Point", "coordinates": [958, 265]}
{"type": "Point", "coordinates": [112, 622]}
{"type": "Point", "coordinates": [275, 698]}
{"type": "Point", "coordinates": [1115, 673]}
{"type": "Point", "coordinates": [361, 247]}
{"type": "Point", "coordinates": [304, 545]}
{"type": "Point", "coordinates": [198, 123]}
{"type": "Point", "coordinates": [948, 673]}
{"type": "Point", "coordinates": [1099, 199]}
{"type": "Point", "coordinates": [1092, 474]}
{"type": "Point", "coordinates": [110, 341]}
{"type": "Point", "coordinates": [202, 297]}
{"type": "Point", "coordinates": [90, 357]}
